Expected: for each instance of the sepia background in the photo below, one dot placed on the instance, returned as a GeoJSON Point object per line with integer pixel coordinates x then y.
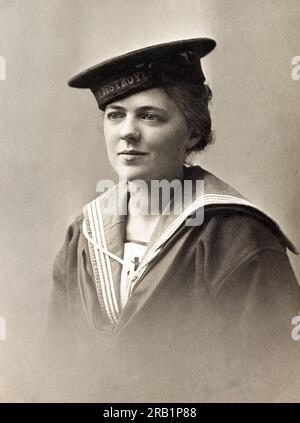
{"type": "Point", "coordinates": [52, 147]}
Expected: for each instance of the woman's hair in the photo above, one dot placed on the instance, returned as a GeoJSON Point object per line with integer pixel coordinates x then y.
{"type": "Point", "coordinates": [193, 101]}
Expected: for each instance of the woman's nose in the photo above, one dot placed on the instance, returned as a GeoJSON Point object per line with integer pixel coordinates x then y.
{"type": "Point", "coordinates": [129, 130]}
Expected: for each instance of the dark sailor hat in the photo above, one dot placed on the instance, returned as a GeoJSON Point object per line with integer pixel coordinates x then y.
{"type": "Point", "coordinates": [155, 66]}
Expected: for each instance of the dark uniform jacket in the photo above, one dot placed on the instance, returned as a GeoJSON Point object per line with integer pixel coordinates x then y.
{"type": "Point", "coordinates": [208, 318]}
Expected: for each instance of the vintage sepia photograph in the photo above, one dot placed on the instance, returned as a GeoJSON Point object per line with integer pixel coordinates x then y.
{"type": "Point", "coordinates": [150, 202]}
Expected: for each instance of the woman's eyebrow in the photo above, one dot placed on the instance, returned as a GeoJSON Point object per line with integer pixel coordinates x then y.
{"type": "Point", "coordinates": [139, 109]}
{"type": "Point", "coordinates": [151, 107]}
{"type": "Point", "coordinates": [115, 106]}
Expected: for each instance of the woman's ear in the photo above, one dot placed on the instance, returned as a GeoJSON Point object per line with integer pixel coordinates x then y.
{"type": "Point", "coordinates": [193, 140]}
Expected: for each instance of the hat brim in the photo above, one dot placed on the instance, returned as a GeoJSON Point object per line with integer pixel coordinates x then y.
{"type": "Point", "coordinates": [95, 74]}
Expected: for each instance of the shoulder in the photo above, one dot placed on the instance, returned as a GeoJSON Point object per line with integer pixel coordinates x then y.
{"type": "Point", "coordinates": [73, 232]}
{"type": "Point", "coordinates": [241, 230]}
{"type": "Point", "coordinates": [233, 216]}
{"type": "Point", "coordinates": [240, 247]}
{"type": "Point", "coordinates": [69, 247]}
{"type": "Point", "coordinates": [73, 229]}
{"type": "Point", "coordinates": [231, 239]}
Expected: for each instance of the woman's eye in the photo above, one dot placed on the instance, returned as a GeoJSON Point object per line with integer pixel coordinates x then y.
{"type": "Point", "coordinates": [114, 115]}
{"type": "Point", "coordinates": [152, 117]}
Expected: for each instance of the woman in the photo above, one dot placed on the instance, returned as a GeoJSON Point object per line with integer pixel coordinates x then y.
{"type": "Point", "coordinates": [153, 304]}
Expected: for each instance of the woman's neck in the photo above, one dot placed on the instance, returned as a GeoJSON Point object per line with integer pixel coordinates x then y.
{"type": "Point", "coordinates": [148, 198]}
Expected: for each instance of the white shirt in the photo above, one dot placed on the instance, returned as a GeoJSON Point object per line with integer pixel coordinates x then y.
{"type": "Point", "coordinates": [133, 252]}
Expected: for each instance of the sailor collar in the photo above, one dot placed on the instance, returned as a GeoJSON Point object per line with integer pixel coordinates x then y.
{"type": "Point", "coordinates": [105, 233]}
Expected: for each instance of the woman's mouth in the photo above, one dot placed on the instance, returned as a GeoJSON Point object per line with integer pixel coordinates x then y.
{"type": "Point", "coordinates": [130, 155]}
{"type": "Point", "coordinates": [133, 153]}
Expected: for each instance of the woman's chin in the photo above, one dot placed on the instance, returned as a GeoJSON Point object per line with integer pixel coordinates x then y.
{"type": "Point", "coordinates": [132, 173]}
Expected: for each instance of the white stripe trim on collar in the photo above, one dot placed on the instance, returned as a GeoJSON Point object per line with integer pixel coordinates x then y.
{"type": "Point", "coordinates": [93, 230]}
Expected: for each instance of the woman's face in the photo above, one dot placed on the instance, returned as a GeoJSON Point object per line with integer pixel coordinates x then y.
{"type": "Point", "coordinates": [147, 136]}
